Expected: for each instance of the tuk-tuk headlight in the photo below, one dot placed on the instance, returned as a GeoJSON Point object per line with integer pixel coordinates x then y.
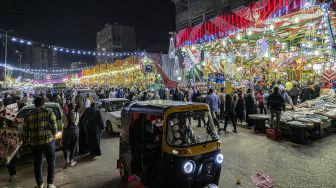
{"type": "Point", "coordinates": [219, 158]}
{"type": "Point", "coordinates": [188, 167]}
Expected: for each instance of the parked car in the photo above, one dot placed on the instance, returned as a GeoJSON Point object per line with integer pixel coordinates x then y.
{"type": "Point", "coordinates": [110, 110]}
{"type": "Point", "coordinates": [58, 113]}
{"type": "Point", "coordinates": [83, 93]}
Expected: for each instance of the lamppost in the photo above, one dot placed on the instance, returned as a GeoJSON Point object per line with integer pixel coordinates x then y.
{"type": "Point", "coordinates": [6, 38]}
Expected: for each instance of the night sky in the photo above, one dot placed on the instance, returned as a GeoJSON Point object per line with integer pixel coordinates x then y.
{"type": "Point", "coordinates": [74, 23]}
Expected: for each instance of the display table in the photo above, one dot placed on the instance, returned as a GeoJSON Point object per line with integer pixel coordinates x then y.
{"type": "Point", "coordinates": [259, 120]}
{"type": "Point", "coordinates": [299, 132]}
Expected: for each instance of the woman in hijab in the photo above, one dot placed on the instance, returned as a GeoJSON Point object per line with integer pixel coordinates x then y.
{"type": "Point", "coordinates": [251, 107]}
{"type": "Point", "coordinates": [70, 137]}
{"type": "Point", "coordinates": [240, 107]}
{"type": "Point", "coordinates": [94, 128]}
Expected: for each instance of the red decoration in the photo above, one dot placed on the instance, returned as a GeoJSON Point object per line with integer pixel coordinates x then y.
{"type": "Point", "coordinates": [221, 25]}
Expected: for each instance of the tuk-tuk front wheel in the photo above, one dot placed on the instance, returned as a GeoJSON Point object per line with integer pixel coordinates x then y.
{"type": "Point", "coordinates": [124, 174]}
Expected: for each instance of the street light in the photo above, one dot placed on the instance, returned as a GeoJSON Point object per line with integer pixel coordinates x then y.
{"type": "Point", "coordinates": [6, 36]}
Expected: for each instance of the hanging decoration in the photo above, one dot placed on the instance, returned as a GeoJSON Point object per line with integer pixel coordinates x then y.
{"type": "Point", "coordinates": [244, 50]}
{"type": "Point", "coordinates": [229, 23]}
{"type": "Point", "coordinates": [262, 48]}
{"type": "Point", "coordinates": [71, 50]}
{"type": "Point", "coordinates": [53, 72]}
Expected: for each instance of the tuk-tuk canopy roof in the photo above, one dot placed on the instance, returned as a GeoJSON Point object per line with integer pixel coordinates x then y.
{"type": "Point", "coordinates": [154, 106]}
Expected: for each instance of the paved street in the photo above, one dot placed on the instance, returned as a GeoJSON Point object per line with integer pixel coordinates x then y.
{"type": "Point", "coordinates": [245, 154]}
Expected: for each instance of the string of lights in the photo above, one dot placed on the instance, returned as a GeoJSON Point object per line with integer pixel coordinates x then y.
{"type": "Point", "coordinates": [71, 50]}
{"type": "Point", "coordinates": [54, 72]}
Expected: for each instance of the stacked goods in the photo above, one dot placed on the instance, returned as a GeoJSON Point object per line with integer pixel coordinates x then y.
{"type": "Point", "coordinates": [325, 102]}
{"type": "Point", "coordinates": [10, 143]}
{"type": "Point", "coordinates": [312, 112]}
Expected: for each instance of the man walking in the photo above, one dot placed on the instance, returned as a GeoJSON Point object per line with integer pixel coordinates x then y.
{"type": "Point", "coordinates": [213, 101]}
{"type": "Point", "coordinates": [39, 131]}
{"type": "Point", "coordinates": [177, 96]}
{"type": "Point", "coordinates": [276, 103]}
{"type": "Point", "coordinates": [221, 96]}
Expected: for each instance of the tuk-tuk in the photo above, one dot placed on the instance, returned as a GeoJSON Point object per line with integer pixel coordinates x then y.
{"type": "Point", "coordinates": [169, 144]}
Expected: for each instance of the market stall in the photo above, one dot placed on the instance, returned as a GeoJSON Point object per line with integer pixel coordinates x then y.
{"type": "Point", "coordinates": [311, 118]}
{"type": "Point", "coordinates": [135, 71]}
{"type": "Point", "coordinates": [270, 40]}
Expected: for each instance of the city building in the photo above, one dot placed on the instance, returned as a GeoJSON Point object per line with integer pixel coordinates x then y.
{"type": "Point", "coordinates": [36, 61]}
{"type": "Point", "coordinates": [193, 12]}
{"type": "Point", "coordinates": [115, 38]}
{"type": "Point", "coordinates": [75, 65]}
{"type": "Point", "coordinates": [40, 57]}
{"type": "Point", "coordinates": [51, 59]}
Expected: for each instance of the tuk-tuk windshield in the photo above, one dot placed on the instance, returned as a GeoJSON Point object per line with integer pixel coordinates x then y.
{"type": "Point", "coordinates": [190, 128]}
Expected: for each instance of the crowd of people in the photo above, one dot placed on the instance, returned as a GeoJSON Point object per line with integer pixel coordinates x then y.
{"type": "Point", "coordinates": [81, 132]}
{"type": "Point", "coordinates": [83, 123]}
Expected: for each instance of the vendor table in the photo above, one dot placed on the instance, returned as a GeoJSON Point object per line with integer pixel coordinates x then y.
{"type": "Point", "coordinates": [298, 134]}
{"type": "Point", "coordinates": [259, 120]}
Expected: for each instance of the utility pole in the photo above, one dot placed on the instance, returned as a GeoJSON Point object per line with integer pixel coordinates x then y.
{"type": "Point", "coordinates": [5, 68]}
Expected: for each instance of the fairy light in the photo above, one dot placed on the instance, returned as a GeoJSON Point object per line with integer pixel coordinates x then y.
{"type": "Point", "coordinates": [296, 20]}
{"type": "Point", "coordinates": [238, 36]}
{"type": "Point", "coordinates": [66, 50]}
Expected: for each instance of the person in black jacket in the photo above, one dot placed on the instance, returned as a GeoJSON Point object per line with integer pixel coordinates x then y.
{"type": "Point", "coordinates": [94, 126]}
{"type": "Point", "coordinates": [250, 106]}
{"type": "Point", "coordinates": [200, 99]}
{"type": "Point", "coordinates": [294, 93]}
{"type": "Point", "coordinates": [230, 113]}
{"type": "Point", "coordinates": [177, 96]}
{"type": "Point", "coordinates": [70, 137]}
{"type": "Point", "coordinates": [276, 103]}
{"type": "Point", "coordinates": [317, 90]}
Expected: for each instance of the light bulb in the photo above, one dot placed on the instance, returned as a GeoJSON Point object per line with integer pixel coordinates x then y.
{"type": "Point", "coordinates": [238, 37]}
{"type": "Point", "coordinates": [272, 27]}
{"type": "Point", "coordinates": [296, 20]}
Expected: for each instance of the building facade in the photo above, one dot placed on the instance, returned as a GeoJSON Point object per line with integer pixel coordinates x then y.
{"type": "Point", "coordinates": [75, 65]}
{"type": "Point", "coordinates": [193, 12]}
{"type": "Point", "coordinates": [40, 58]}
{"type": "Point", "coordinates": [115, 38]}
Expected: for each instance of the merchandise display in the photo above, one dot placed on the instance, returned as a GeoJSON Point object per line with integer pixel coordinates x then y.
{"type": "Point", "coordinates": [310, 113]}
{"type": "Point", "coordinates": [10, 143]}
{"type": "Point", "coordinates": [287, 43]}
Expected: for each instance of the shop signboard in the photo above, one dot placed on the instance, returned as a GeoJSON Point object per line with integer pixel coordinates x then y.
{"type": "Point", "coordinates": [216, 77]}
{"type": "Point", "coordinates": [220, 78]}
{"type": "Point", "coordinates": [212, 77]}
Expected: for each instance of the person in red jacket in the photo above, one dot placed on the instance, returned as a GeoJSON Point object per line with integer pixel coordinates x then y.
{"type": "Point", "coordinates": [260, 100]}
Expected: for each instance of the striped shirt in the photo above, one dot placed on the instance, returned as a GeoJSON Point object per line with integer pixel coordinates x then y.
{"type": "Point", "coordinates": [39, 126]}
